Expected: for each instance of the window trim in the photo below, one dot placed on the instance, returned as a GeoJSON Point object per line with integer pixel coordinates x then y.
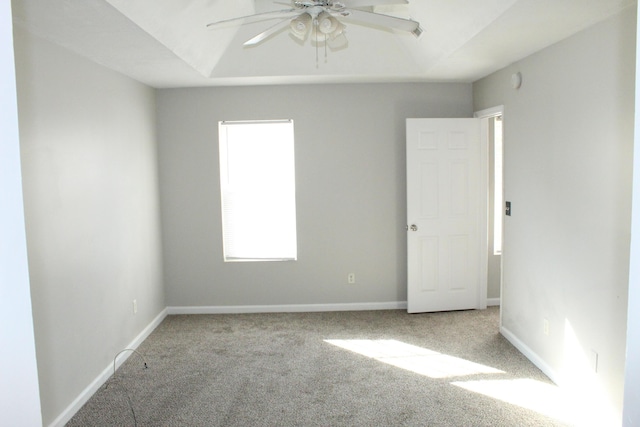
{"type": "Point", "coordinates": [289, 251]}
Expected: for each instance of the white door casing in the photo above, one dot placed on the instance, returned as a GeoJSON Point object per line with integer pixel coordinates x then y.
{"type": "Point", "coordinates": [446, 215]}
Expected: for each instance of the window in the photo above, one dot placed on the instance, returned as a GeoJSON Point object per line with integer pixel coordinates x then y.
{"type": "Point", "coordinates": [257, 183]}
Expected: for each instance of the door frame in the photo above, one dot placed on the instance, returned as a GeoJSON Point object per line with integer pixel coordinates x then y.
{"type": "Point", "coordinates": [484, 116]}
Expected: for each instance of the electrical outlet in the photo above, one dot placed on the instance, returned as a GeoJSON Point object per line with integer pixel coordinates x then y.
{"type": "Point", "coordinates": [545, 326]}
{"type": "Point", "coordinates": [135, 306]}
{"type": "Point", "coordinates": [351, 278]}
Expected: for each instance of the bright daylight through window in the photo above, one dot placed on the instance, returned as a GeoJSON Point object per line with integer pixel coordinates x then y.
{"type": "Point", "coordinates": [257, 183]}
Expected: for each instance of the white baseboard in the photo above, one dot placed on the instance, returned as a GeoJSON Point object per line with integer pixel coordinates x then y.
{"type": "Point", "coordinates": [292, 308]}
{"type": "Point", "coordinates": [86, 394]}
{"type": "Point", "coordinates": [492, 302]}
{"type": "Point", "coordinates": [530, 354]}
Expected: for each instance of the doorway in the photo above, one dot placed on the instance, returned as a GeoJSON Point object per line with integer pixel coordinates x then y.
{"type": "Point", "coordinates": [492, 124]}
{"type": "Point", "coordinates": [443, 266]}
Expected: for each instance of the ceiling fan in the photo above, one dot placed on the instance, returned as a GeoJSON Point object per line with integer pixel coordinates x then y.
{"type": "Point", "coordinates": [320, 20]}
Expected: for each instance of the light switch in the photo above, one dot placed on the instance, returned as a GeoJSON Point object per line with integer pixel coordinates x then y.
{"type": "Point", "coordinates": [507, 210]}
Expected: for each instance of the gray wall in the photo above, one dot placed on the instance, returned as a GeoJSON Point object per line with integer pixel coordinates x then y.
{"type": "Point", "coordinates": [19, 391]}
{"type": "Point", "coordinates": [568, 170]}
{"type": "Point", "coordinates": [91, 208]}
{"type": "Point", "coordinates": [351, 202]}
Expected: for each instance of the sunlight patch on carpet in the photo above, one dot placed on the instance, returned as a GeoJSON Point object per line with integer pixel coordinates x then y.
{"type": "Point", "coordinates": [415, 359]}
{"type": "Point", "coordinates": [544, 398]}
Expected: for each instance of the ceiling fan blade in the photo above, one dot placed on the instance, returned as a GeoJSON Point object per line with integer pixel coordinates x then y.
{"type": "Point", "coordinates": [385, 21]}
{"type": "Point", "coordinates": [267, 33]}
{"type": "Point", "coordinates": [365, 3]}
{"type": "Point", "coordinates": [257, 17]}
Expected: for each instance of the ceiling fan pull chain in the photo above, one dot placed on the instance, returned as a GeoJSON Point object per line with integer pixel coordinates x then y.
{"type": "Point", "coordinates": [325, 48]}
{"type": "Point", "coordinates": [315, 29]}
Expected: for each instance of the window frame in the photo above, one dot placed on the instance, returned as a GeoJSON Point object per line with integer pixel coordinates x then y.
{"type": "Point", "coordinates": [267, 231]}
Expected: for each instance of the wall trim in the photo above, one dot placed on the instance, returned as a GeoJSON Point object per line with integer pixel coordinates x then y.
{"type": "Point", "coordinates": [106, 373]}
{"type": "Point", "coordinates": [289, 308]}
{"type": "Point", "coordinates": [492, 302]}
{"type": "Point", "coordinates": [530, 354]}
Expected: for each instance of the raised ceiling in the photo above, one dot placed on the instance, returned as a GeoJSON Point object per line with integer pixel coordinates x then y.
{"type": "Point", "coordinates": [165, 43]}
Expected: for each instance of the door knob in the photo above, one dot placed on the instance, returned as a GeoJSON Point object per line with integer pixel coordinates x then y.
{"type": "Point", "coordinates": [414, 227]}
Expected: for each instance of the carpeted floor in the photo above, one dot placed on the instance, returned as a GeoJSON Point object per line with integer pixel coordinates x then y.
{"type": "Point", "coordinates": [370, 368]}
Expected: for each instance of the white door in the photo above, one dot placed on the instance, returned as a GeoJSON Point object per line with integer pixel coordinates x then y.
{"type": "Point", "coordinates": [446, 215]}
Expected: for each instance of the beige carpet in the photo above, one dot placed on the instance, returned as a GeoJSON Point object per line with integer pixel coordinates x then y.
{"type": "Point", "coordinates": [373, 368]}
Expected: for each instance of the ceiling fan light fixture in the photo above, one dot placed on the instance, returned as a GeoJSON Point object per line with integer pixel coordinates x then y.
{"type": "Point", "coordinates": [327, 24]}
{"type": "Point", "coordinates": [340, 42]}
{"type": "Point", "coordinates": [300, 26]}
{"type": "Point", "coordinates": [338, 31]}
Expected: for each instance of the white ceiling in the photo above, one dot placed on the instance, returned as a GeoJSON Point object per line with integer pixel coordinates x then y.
{"type": "Point", "coordinates": [165, 43]}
